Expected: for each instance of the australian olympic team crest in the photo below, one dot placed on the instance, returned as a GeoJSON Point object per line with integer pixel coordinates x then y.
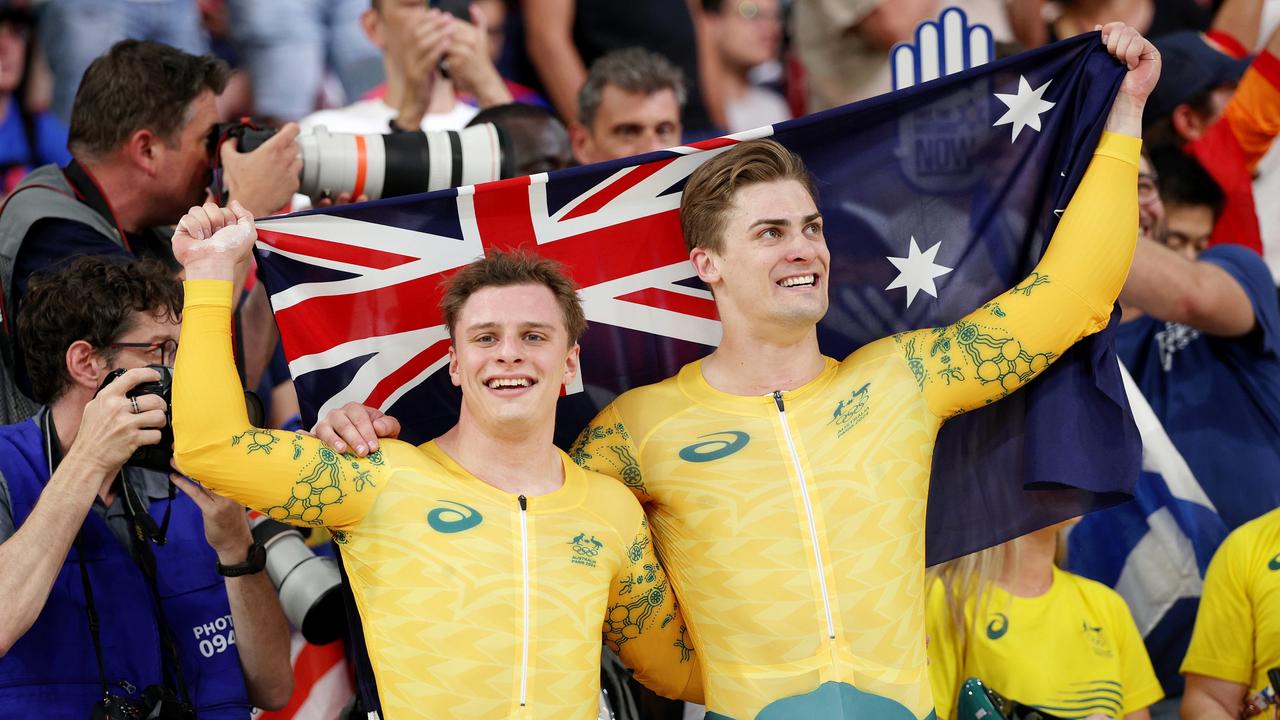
{"type": "Point", "coordinates": [585, 549]}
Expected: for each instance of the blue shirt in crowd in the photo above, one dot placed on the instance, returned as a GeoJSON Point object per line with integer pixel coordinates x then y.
{"type": "Point", "coordinates": [1218, 398]}
{"type": "Point", "coordinates": [17, 155]}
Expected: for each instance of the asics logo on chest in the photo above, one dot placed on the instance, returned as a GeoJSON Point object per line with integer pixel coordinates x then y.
{"type": "Point", "coordinates": [1274, 563]}
{"type": "Point", "coordinates": [722, 445]}
{"type": "Point", "coordinates": [453, 519]}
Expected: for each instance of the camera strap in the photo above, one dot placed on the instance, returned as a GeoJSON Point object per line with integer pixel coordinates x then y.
{"type": "Point", "coordinates": [143, 557]}
{"type": "Point", "coordinates": [147, 563]}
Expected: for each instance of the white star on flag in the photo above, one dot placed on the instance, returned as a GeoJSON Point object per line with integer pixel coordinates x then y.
{"type": "Point", "coordinates": [917, 270]}
{"type": "Point", "coordinates": [1024, 108]}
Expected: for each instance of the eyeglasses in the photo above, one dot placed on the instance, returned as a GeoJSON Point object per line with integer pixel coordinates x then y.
{"type": "Point", "coordinates": [167, 348]}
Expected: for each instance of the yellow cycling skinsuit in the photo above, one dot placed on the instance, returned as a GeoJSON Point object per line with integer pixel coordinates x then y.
{"type": "Point", "coordinates": [476, 603]}
{"type": "Point", "coordinates": [792, 525]}
{"type": "Point", "coordinates": [1237, 633]}
{"type": "Point", "coordinates": [1071, 652]}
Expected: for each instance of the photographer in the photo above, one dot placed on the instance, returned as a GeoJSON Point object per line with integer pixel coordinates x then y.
{"type": "Point", "coordinates": [73, 518]}
{"type": "Point", "coordinates": [139, 139]}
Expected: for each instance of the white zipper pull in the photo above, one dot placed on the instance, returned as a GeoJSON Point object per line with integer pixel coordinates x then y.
{"type": "Point", "coordinates": [524, 564]}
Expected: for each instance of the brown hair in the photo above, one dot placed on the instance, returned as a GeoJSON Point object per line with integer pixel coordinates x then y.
{"type": "Point", "coordinates": [92, 299]}
{"type": "Point", "coordinates": [709, 193]}
{"type": "Point", "coordinates": [501, 269]}
{"type": "Point", "coordinates": [139, 84]}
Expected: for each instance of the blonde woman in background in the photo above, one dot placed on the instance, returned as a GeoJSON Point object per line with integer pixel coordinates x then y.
{"type": "Point", "coordinates": [1041, 636]}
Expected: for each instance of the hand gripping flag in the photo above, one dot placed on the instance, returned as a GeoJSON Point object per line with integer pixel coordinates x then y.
{"type": "Point", "coordinates": [936, 199]}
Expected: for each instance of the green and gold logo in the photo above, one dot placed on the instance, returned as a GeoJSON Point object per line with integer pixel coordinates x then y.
{"type": "Point", "coordinates": [585, 549]}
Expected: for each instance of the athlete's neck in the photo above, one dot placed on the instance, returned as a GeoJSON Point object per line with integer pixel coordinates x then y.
{"type": "Point", "coordinates": [517, 461]}
{"type": "Point", "coordinates": [1031, 575]}
{"type": "Point", "coordinates": [758, 365]}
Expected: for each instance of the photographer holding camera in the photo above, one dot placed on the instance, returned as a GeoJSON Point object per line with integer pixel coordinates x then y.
{"type": "Point", "coordinates": [114, 594]}
{"type": "Point", "coordinates": [139, 139]}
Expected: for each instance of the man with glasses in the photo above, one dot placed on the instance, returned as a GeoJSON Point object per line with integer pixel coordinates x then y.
{"type": "Point", "coordinates": [172, 579]}
{"type": "Point", "coordinates": [139, 140]}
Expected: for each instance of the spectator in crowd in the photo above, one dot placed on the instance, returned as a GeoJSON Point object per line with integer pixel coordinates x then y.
{"type": "Point", "coordinates": [1227, 126]}
{"type": "Point", "coordinates": [27, 138]}
{"type": "Point", "coordinates": [1235, 641]}
{"type": "Point", "coordinates": [588, 561]}
{"type": "Point", "coordinates": [1155, 18]}
{"type": "Point", "coordinates": [1198, 337]}
{"type": "Point", "coordinates": [1012, 618]}
{"type": "Point", "coordinates": [844, 44]}
{"type": "Point", "coordinates": [74, 32]}
{"type": "Point", "coordinates": [416, 43]}
{"type": "Point", "coordinates": [110, 582]}
{"type": "Point", "coordinates": [746, 34]}
{"type": "Point", "coordinates": [566, 37]}
{"type": "Point", "coordinates": [288, 45]}
{"type": "Point", "coordinates": [540, 141]}
{"type": "Point", "coordinates": [497, 17]}
{"type": "Point", "coordinates": [629, 104]}
{"type": "Point", "coordinates": [140, 142]}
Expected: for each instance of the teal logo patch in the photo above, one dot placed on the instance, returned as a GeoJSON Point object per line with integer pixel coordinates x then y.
{"type": "Point", "coordinates": [1274, 564]}
{"type": "Point", "coordinates": [585, 549]}
{"type": "Point", "coordinates": [851, 411]}
{"type": "Point", "coordinates": [726, 443]}
{"type": "Point", "coordinates": [998, 627]}
{"type": "Point", "coordinates": [453, 519]}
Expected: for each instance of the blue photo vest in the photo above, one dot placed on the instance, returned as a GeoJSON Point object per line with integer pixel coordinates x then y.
{"type": "Point", "coordinates": [51, 672]}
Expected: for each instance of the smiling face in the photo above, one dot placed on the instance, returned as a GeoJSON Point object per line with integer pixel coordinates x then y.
{"type": "Point", "coordinates": [772, 266]}
{"type": "Point", "coordinates": [511, 355]}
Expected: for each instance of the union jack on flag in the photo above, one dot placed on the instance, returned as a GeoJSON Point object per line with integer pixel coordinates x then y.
{"type": "Point", "coordinates": [355, 288]}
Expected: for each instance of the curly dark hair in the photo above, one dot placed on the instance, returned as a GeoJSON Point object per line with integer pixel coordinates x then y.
{"type": "Point", "coordinates": [92, 299]}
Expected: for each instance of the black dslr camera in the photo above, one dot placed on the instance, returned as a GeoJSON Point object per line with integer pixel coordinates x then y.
{"type": "Point", "coordinates": [158, 456]}
{"type": "Point", "coordinates": [156, 702]}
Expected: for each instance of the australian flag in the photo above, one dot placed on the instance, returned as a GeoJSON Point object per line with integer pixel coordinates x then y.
{"type": "Point", "coordinates": [936, 198]}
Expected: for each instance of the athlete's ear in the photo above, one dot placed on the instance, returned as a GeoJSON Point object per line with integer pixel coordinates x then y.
{"type": "Point", "coordinates": [454, 374]}
{"type": "Point", "coordinates": [571, 365]}
{"type": "Point", "coordinates": [704, 263]}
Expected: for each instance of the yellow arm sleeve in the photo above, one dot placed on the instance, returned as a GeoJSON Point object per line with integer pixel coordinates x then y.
{"type": "Point", "coordinates": [290, 477]}
{"type": "Point", "coordinates": [605, 446]}
{"type": "Point", "coordinates": [643, 624]}
{"type": "Point", "coordinates": [1002, 345]}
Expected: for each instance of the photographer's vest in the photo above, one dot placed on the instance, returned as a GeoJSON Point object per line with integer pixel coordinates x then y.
{"type": "Point", "coordinates": [45, 193]}
{"type": "Point", "coordinates": [51, 671]}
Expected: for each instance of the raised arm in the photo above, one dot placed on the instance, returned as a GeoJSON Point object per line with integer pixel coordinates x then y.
{"type": "Point", "coordinates": [548, 35]}
{"type": "Point", "coordinates": [1002, 345]}
{"type": "Point", "coordinates": [290, 477]}
{"type": "Point", "coordinates": [644, 626]}
{"type": "Point", "coordinates": [1174, 288]}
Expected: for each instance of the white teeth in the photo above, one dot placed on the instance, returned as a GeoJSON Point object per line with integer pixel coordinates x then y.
{"type": "Point", "coordinates": [797, 280]}
{"type": "Point", "coordinates": [508, 382]}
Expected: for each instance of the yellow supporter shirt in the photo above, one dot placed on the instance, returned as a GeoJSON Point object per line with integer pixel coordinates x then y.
{"type": "Point", "coordinates": [1237, 633]}
{"type": "Point", "coordinates": [1070, 652]}
{"type": "Point", "coordinates": [475, 603]}
{"type": "Point", "coordinates": [792, 525]}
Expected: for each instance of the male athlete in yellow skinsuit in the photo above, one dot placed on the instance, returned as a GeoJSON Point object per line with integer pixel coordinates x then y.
{"type": "Point", "coordinates": [484, 563]}
{"type": "Point", "coordinates": [787, 490]}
